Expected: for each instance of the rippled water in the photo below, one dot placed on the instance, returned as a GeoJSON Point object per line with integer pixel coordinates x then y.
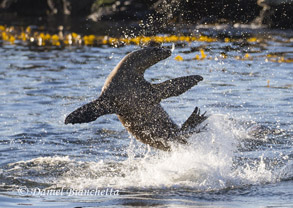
{"type": "Point", "coordinates": [243, 159]}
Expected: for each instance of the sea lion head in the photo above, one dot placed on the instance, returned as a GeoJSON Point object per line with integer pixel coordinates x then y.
{"type": "Point", "coordinates": [140, 60]}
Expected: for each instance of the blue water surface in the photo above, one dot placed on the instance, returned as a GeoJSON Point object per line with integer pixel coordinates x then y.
{"type": "Point", "coordinates": [243, 159]}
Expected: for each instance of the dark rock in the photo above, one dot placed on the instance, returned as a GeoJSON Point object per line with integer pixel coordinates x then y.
{"type": "Point", "coordinates": [119, 10]}
{"type": "Point", "coordinates": [276, 13]}
{"type": "Point", "coordinates": [242, 11]}
{"type": "Point", "coordinates": [25, 7]}
{"type": "Point", "coordinates": [157, 15]}
{"type": "Point", "coordinates": [37, 8]}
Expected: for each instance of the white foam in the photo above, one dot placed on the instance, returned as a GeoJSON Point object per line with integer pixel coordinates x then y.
{"type": "Point", "coordinates": [208, 163]}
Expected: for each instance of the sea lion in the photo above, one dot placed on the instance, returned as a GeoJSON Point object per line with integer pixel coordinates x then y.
{"type": "Point", "coordinates": [137, 102]}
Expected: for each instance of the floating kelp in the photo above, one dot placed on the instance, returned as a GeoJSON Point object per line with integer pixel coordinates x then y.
{"type": "Point", "coordinates": [36, 37]}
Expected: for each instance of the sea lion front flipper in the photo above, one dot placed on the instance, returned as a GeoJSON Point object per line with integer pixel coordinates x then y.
{"type": "Point", "coordinates": [194, 119]}
{"type": "Point", "coordinates": [175, 87]}
{"type": "Point", "coordinates": [89, 112]}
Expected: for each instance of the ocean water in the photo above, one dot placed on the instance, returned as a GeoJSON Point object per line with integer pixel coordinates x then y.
{"type": "Point", "coordinates": [243, 158]}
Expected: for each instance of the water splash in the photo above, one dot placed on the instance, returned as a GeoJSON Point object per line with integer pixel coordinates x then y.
{"type": "Point", "coordinates": [211, 162]}
{"type": "Point", "coordinates": [173, 47]}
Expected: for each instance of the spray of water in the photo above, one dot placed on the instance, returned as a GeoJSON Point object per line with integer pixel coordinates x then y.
{"type": "Point", "coordinates": [210, 162]}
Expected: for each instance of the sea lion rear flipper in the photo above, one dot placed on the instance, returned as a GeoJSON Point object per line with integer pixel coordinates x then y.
{"type": "Point", "coordinates": [194, 119]}
{"type": "Point", "coordinates": [88, 112]}
{"type": "Point", "coordinates": [175, 87]}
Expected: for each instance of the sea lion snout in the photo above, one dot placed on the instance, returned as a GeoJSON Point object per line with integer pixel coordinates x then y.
{"type": "Point", "coordinates": [198, 77]}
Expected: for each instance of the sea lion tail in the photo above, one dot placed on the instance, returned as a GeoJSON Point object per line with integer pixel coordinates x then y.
{"type": "Point", "coordinates": [88, 112]}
